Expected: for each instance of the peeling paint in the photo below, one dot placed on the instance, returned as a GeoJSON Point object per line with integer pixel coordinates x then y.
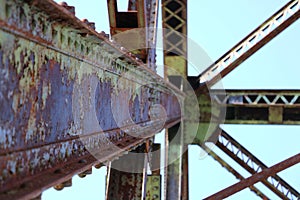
{"type": "Point", "coordinates": [46, 91]}
{"type": "Point", "coordinates": [31, 129]}
{"type": "Point", "coordinates": [12, 166]}
{"type": "Point", "coordinates": [59, 87]}
{"type": "Point", "coordinates": [7, 137]}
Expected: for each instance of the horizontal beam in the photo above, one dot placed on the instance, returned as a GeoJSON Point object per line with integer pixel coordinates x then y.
{"type": "Point", "coordinates": [255, 106]}
{"type": "Point", "coordinates": [257, 97]}
{"type": "Point", "coordinates": [262, 115]}
{"type": "Point", "coordinates": [264, 174]}
{"type": "Point", "coordinates": [67, 92]}
{"type": "Point", "coordinates": [34, 185]}
{"type": "Point", "coordinates": [253, 165]}
{"type": "Point", "coordinates": [251, 43]}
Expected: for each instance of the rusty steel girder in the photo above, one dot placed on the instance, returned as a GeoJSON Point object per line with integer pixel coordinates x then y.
{"type": "Point", "coordinates": [69, 98]}
{"type": "Point", "coordinates": [254, 106]}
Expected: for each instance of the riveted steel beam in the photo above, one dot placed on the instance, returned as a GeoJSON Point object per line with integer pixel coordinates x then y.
{"type": "Point", "coordinates": [69, 95]}
{"type": "Point", "coordinates": [153, 189]}
{"type": "Point", "coordinates": [253, 106]}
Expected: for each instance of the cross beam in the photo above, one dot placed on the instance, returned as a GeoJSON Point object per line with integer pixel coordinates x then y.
{"type": "Point", "coordinates": [254, 106]}
{"type": "Point", "coordinates": [230, 169]}
{"type": "Point", "coordinates": [256, 178]}
{"type": "Point", "coordinates": [253, 165]}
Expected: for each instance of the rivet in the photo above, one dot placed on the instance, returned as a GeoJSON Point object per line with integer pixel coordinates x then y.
{"type": "Point", "coordinates": [71, 9]}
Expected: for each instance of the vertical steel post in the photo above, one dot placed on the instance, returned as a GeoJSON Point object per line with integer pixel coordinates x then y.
{"type": "Point", "coordinates": [173, 170]}
{"type": "Point", "coordinates": [174, 13]}
{"type": "Point", "coordinates": [126, 177]}
{"type": "Point", "coordinates": [185, 177]}
{"type": "Point", "coordinates": [153, 185]}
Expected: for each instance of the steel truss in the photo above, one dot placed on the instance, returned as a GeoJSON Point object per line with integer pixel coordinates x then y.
{"type": "Point", "coordinates": [251, 106]}
{"type": "Point", "coordinates": [264, 174]}
{"type": "Point", "coordinates": [174, 22]}
{"type": "Point", "coordinates": [230, 169]}
{"type": "Point", "coordinates": [43, 58]}
{"type": "Point", "coordinates": [251, 43]}
{"type": "Point", "coordinates": [259, 106]}
{"type": "Point", "coordinates": [253, 165]}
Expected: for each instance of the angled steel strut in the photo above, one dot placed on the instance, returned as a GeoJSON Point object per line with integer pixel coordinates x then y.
{"type": "Point", "coordinates": [251, 43]}
{"type": "Point", "coordinates": [224, 164]}
{"type": "Point", "coordinates": [253, 165]}
{"type": "Point", "coordinates": [264, 174]}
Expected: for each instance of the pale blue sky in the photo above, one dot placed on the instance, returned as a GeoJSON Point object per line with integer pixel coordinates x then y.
{"type": "Point", "coordinates": [217, 26]}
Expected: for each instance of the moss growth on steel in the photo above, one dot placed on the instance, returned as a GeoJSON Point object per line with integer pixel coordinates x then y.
{"type": "Point", "coordinates": [69, 41]}
{"type": "Point", "coordinates": [78, 55]}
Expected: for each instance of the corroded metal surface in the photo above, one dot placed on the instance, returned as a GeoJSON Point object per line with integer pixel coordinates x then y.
{"type": "Point", "coordinates": [66, 92]}
{"type": "Point", "coordinates": [153, 191]}
{"type": "Point", "coordinates": [126, 185]}
{"type": "Point", "coordinates": [185, 176]}
{"type": "Point", "coordinates": [173, 171]}
{"type": "Point", "coordinates": [127, 176]}
{"type": "Point", "coordinates": [174, 22]}
{"type": "Point", "coordinates": [252, 106]}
